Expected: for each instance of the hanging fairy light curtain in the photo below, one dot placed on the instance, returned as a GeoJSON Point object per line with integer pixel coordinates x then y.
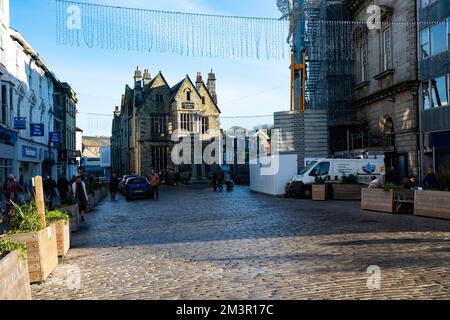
{"type": "Point", "coordinates": [200, 35]}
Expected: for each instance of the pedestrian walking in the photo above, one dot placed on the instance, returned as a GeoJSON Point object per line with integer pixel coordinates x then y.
{"type": "Point", "coordinates": [80, 194]}
{"type": "Point", "coordinates": [49, 192]}
{"type": "Point", "coordinates": [114, 187]}
{"type": "Point", "coordinates": [177, 179]}
{"type": "Point", "coordinates": [63, 187]}
{"type": "Point", "coordinates": [430, 181]}
{"type": "Point", "coordinates": [13, 191]}
{"type": "Point", "coordinates": [220, 178]}
{"type": "Point", "coordinates": [214, 180]}
{"type": "Point", "coordinates": [155, 182]}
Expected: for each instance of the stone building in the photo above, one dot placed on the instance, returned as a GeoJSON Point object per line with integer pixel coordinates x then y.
{"type": "Point", "coordinates": [149, 114]}
{"type": "Point", "coordinates": [385, 90]}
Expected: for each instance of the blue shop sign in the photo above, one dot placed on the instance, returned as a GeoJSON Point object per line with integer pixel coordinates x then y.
{"type": "Point", "coordinates": [20, 123]}
{"type": "Point", "coordinates": [7, 136]}
{"type": "Point", "coordinates": [37, 130]}
{"type": "Point", "coordinates": [29, 152]}
{"type": "Point", "coordinates": [55, 137]}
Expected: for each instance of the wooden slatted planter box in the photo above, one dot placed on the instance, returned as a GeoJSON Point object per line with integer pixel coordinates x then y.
{"type": "Point", "coordinates": [377, 200]}
{"type": "Point", "coordinates": [75, 221]}
{"type": "Point", "coordinates": [347, 191]}
{"type": "Point", "coordinates": [14, 278]}
{"type": "Point", "coordinates": [319, 192]}
{"type": "Point", "coordinates": [62, 237]}
{"type": "Point", "coordinates": [42, 252]}
{"type": "Point", "coordinates": [434, 204]}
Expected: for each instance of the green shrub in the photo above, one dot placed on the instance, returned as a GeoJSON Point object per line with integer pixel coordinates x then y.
{"type": "Point", "coordinates": [320, 180]}
{"type": "Point", "coordinates": [7, 246]}
{"type": "Point", "coordinates": [56, 215]}
{"type": "Point", "coordinates": [351, 179]}
{"type": "Point", "coordinates": [25, 218]}
{"type": "Point", "coordinates": [391, 186]}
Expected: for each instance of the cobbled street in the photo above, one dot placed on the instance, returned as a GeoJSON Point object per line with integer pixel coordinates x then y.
{"type": "Point", "coordinates": [196, 244]}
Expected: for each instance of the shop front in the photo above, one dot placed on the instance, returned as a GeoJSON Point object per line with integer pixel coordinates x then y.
{"type": "Point", "coordinates": [8, 139]}
{"type": "Point", "coordinates": [33, 160]}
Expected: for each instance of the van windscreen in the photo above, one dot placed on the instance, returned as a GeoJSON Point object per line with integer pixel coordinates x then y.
{"type": "Point", "coordinates": [309, 166]}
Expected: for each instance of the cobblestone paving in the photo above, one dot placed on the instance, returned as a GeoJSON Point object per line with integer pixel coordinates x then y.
{"type": "Point", "coordinates": [202, 245]}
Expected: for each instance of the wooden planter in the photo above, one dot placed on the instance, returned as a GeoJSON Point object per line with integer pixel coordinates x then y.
{"type": "Point", "coordinates": [377, 200]}
{"type": "Point", "coordinates": [319, 192]}
{"type": "Point", "coordinates": [434, 204]}
{"type": "Point", "coordinates": [14, 278]}
{"type": "Point", "coordinates": [76, 219]}
{"type": "Point", "coordinates": [62, 237]}
{"type": "Point", "coordinates": [347, 191]}
{"type": "Point", "coordinates": [42, 252]}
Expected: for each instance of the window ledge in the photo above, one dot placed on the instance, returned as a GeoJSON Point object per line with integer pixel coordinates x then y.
{"type": "Point", "coordinates": [384, 74]}
{"type": "Point", "coordinates": [361, 85]}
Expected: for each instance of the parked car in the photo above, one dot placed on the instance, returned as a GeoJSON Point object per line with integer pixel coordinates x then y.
{"type": "Point", "coordinates": [137, 187]}
{"type": "Point", "coordinates": [122, 184]}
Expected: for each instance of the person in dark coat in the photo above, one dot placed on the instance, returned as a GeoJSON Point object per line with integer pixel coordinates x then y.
{"type": "Point", "coordinates": [220, 180]}
{"type": "Point", "coordinates": [114, 187]}
{"type": "Point", "coordinates": [80, 194]}
{"type": "Point", "coordinates": [63, 187]}
{"type": "Point", "coordinates": [214, 180]}
{"type": "Point", "coordinates": [430, 181]}
{"type": "Point", "coordinates": [49, 191]}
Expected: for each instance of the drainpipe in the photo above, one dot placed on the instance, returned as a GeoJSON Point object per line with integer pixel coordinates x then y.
{"type": "Point", "coordinates": [419, 97]}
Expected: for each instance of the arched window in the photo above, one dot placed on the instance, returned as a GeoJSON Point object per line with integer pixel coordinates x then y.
{"type": "Point", "coordinates": [188, 95]}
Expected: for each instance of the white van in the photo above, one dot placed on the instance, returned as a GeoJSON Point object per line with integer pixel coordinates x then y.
{"type": "Point", "coordinates": [332, 171]}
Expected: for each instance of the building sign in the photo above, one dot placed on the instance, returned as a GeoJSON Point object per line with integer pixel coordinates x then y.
{"type": "Point", "coordinates": [29, 152]}
{"type": "Point", "coordinates": [37, 130]}
{"type": "Point", "coordinates": [7, 136]}
{"type": "Point", "coordinates": [55, 137]}
{"type": "Point", "coordinates": [20, 123]}
{"type": "Point", "coordinates": [188, 105]}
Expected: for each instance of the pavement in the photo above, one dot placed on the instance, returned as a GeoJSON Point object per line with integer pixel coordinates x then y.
{"type": "Point", "coordinates": [197, 244]}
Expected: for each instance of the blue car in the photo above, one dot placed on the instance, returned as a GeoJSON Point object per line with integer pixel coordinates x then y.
{"type": "Point", "coordinates": [137, 187]}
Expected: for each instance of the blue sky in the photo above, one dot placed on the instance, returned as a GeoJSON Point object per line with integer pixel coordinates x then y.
{"type": "Point", "coordinates": [245, 87]}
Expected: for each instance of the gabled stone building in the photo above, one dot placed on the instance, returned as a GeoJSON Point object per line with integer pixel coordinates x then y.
{"type": "Point", "coordinates": [151, 112]}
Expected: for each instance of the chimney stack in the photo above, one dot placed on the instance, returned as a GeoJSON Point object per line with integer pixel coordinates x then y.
{"type": "Point", "coordinates": [199, 81]}
{"type": "Point", "coordinates": [138, 78]}
{"type": "Point", "coordinates": [147, 77]}
{"type": "Point", "coordinates": [212, 85]}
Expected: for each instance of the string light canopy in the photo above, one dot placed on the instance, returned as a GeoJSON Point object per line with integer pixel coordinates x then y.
{"type": "Point", "coordinates": [189, 34]}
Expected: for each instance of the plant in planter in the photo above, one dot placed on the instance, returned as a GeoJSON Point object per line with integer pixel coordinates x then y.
{"type": "Point", "coordinates": [40, 240]}
{"type": "Point", "coordinates": [61, 220]}
{"type": "Point", "coordinates": [319, 190]}
{"type": "Point", "coordinates": [14, 278]}
{"type": "Point", "coordinates": [349, 189]}
{"type": "Point", "coordinates": [70, 206]}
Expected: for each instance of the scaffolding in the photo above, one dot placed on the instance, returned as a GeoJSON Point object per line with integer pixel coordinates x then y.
{"type": "Point", "coordinates": [321, 30]}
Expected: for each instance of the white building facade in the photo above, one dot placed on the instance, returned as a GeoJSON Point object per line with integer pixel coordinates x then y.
{"type": "Point", "coordinates": [27, 111]}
